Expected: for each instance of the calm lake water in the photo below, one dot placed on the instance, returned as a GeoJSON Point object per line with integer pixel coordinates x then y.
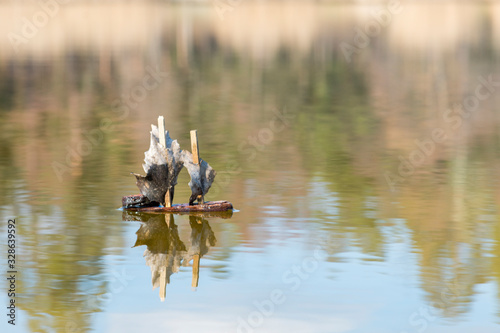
{"type": "Point", "coordinates": [359, 145]}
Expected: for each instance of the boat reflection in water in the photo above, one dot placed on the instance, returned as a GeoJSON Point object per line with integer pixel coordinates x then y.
{"type": "Point", "coordinates": [166, 252]}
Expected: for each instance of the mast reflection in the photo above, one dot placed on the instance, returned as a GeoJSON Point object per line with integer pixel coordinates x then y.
{"type": "Point", "coordinates": [165, 252]}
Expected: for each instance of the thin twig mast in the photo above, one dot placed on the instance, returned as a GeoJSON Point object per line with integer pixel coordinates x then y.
{"type": "Point", "coordinates": [196, 157]}
{"type": "Point", "coordinates": [163, 143]}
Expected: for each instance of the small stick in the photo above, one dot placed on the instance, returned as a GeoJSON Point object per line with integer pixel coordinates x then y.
{"type": "Point", "coordinates": [163, 143]}
{"type": "Point", "coordinates": [161, 131]}
{"type": "Point", "coordinates": [196, 156]}
{"type": "Point", "coordinates": [168, 199]}
{"type": "Point", "coordinates": [194, 147]}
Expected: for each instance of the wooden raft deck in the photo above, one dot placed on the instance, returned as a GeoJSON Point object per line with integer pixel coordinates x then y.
{"type": "Point", "coordinates": [209, 206]}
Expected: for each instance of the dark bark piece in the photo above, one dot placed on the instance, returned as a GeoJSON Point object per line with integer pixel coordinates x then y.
{"type": "Point", "coordinates": [153, 185]}
{"type": "Point", "coordinates": [138, 200]}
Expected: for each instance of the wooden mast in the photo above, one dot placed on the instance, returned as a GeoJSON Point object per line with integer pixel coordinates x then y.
{"type": "Point", "coordinates": [196, 157]}
{"type": "Point", "coordinates": [163, 143]}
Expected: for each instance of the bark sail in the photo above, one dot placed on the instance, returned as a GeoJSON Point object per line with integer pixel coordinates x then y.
{"type": "Point", "coordinates": [163, 165]}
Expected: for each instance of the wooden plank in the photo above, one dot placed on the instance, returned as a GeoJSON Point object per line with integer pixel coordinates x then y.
{"type": "Point", "coordinates": [209, 206]}
{"type": "Point", "coordinates": [141, 216]}
{"type": "Point", "coordinates": [194, 147]}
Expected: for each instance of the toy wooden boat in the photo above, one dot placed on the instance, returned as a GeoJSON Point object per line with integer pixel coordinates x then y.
{"type": "Point", "coordinates": [162, 164]}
